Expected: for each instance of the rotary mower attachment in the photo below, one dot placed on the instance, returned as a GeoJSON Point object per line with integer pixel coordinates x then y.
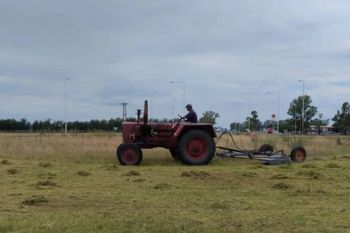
{"type": "Point", "coordinates": [266, 153]}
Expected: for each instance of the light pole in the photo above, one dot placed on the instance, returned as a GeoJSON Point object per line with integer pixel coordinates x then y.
{"type": "Point", "coordinates": [153, 92]}
{"type": "Point", "coordinates": [249, 112]}
{"type": "Point", "coordinates": [249, 122]}
{"type": "Point", "coordinates": [65, 106]}
{"type": "Point", "coordinates": [172, 110]}
{"type": "Point", "coordinates": [278, 109]}
{"type": "Point", "coordinates": [124, 104]}
{"type": "Point", "coordinates": [303, 107]}
{"type": "Point", "coordinates": [183, 91]}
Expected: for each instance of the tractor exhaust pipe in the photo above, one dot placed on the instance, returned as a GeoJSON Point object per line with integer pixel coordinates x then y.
{"type": "Point", "coordinates": [138, 116]}
{"type": "Point", "coordinates": [145, 113]}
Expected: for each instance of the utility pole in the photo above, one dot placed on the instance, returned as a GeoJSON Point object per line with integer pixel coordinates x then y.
{"type": "Point", "coordinates": [249, 113]}
{"type": "Point", "coordinates": [183, 91]}
{"type": "Point", "coordinates": [303, 110]}
{"type": "Point", "coordinates": [249, 121]}
{"type": "Point", "coordinates": [65, 106]}
{"type": "Point", "coordinates": [151, 110]}
{"type": "Point", "coordinates": [124, 109]}
{"type": "Point", "coordinates": [278, 112]}
{"type": "Point", "coordinates": [172, 110]}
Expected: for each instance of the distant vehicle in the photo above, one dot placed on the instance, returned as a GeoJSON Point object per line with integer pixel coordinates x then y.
{"type": "Point", "coordinates": [220, 130]}
{"type": "Point", "coordinates": [269, 130]}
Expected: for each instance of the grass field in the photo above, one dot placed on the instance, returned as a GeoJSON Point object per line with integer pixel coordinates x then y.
{"type": "Point", "coordinates": [52, 183]}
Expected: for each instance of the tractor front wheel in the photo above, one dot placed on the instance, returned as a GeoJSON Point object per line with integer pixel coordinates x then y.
{"type": "Point", "coordinates": [196, 147]}
{"type": "Point", "coordinates": [298, 154]}
{"type": "Point", "coordinates": [129, 154]}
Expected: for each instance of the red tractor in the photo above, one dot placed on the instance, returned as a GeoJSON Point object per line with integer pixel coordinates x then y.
{"type": "Point", "coordinates": [191, 143]}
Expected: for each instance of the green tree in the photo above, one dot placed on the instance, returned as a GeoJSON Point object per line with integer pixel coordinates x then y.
{"type": "Point", "coordinates": [296, 110]}
{"type": "Point", "coordinates": [286, 125]}
{"type": "Point", "coordinates": [342, 119]}
{"type": "Point", "coordinates": [235, 126]}
{"type": "Point", "coordinates": [209, 117]}
{"type": "Point", "coordinates": [252, 122]}
{"type": "Point", "coordinates": [255, 123]}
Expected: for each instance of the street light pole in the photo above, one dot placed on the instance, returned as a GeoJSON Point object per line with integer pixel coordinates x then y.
{"type": "Point", "coordinates": [278, 111]}
{"type": "Point", "coordinates": [183, 91]}
{"type": "Point", "coordinates": [151, 110]}
{"type": "Point", "coordinates": [65, 106]}
{"type": "Point", "coordinates": [249, 121]}
{"type": "Point", "coordinates": [172, 110]}
{"type": "Point", "coordinates": [303, 110]}
{"type": "Point", "coordinates": [249, 113]}
{"type": "Point", "coordinates": [124, 110]}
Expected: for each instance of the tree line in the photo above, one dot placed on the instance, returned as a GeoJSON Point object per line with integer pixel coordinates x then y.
{"type": "Point", "coordinates": [23, 125]}
{"type": "Point", "coordinates": [58, 126]}
{"type": "Point", "coordinates": [310, 116]}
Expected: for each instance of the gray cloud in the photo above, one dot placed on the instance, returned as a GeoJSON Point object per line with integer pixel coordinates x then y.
{"type": "Point", "coordinates": [228, 53]}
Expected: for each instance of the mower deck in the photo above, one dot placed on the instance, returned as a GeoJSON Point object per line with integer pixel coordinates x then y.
{"type": "Point", "coordinates": [266, 154]}
{"type": "Point", "coordinates": [274, 158]}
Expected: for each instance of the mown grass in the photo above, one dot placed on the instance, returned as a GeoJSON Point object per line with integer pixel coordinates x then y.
{"type": "Point", "coordinates": [73, 184]}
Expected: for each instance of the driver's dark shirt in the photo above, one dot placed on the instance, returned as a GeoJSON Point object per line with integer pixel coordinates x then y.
{"type": "Point", "coordinates": [191, 117]}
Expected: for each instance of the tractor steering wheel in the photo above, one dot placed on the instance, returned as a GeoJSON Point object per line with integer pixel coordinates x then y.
{"type": "Point", "coordinates": [178, 121]}
{"type": "Point", "coordinates": [181, 118]}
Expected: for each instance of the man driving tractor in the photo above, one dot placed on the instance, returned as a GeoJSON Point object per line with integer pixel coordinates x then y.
{"type": "Point", "coordinates": [191, 116]}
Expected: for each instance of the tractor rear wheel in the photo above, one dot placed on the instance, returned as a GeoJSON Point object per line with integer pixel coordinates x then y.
{"type": "Point", "coordinates": [298, 154]}
{"type": "Point", "coordinates": [196, 147]}
{"type": "Point", "coordinates": [129, 154]}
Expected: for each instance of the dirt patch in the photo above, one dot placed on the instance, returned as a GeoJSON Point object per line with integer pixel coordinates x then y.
{"type": "Point", "coordinates": [281, 186]}
{"type": "Point", "coordinates": [5, 162]}
{"type": "Point", "coordinates": [111, 168]}
{"type": "Point", "coordinates": [46, 183]}
{"type": "Point", "coordinates": [132, 173]}
{"type": "Point", "coordinates": [12, 171]}
{"type": "Point", "coordinates": [302, 192]}
{"type": "Point", "coordinates": [195, 174]}
{"type": "Point", "coordinates": [162, 186]}
{"type": "Point", "coordinates": [48, 175]}
{"type": "Point", "coordinates": [83, 173]}
{"type": "Point", "coordinates": [250, 174]}
{"type": "Point", "coordinates": [139, 180]}
{"type": "Point", "coordinates": [279, 177]}
{"type": "Point", "coordinates": [35, 200]}
{"type": "Point", "coordinates": [308, 191]}
{"type": "Point", "coordinates": [220, 206]}
{"type": "Point", "coordinates": [45, 164]}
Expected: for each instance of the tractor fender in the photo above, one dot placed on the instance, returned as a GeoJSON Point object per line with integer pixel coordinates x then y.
{"type": "Point", "coordinates": [183, 128]}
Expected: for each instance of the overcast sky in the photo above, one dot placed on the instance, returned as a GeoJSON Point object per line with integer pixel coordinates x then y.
{"type": "Point", "coordinates": [226, 54]}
